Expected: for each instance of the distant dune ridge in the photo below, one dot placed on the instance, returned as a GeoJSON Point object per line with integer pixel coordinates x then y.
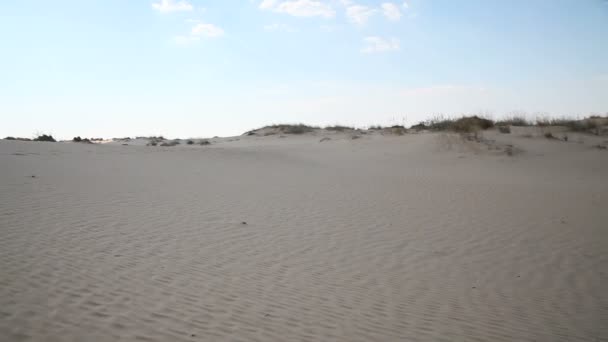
{"type": "Point", "coordinates": [457, 230]}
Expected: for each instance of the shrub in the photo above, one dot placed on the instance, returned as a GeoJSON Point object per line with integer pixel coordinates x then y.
{"type": "Point", "coordinates": [504, 129]}
{"type": "Point", "coordinates": [151, 143]}
{"type": "Point", "coordinates": [170, 143]}
{"type": "Point", "coordinates": [190, 142]}
{"type": "Point", "coordinates": [375, 128]}
{"type": "Point", "coordinates": [80, 140]}
{"type": "Point", "coordinates": [292, 129]}
{"type": "Point", "coordinates": [471, 124]}
{"type": "Point", "coordinates": [204, 142]}
{"type": "Point", "coordinates": [398, 130]}
{"type": "Point", "coordinates": [10, 138]}
{"type": "Point", "coordinates": [513, 121]}
{"type": "Point", "coordinates": [549, 135]}
{"type": "Point", "coordinates": [339, 128]}
{"type": "Point", "coordinates": [44, 137]}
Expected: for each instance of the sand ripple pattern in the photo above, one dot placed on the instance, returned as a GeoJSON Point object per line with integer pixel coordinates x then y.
{"type": "Point", "coordinates": [367, 240]}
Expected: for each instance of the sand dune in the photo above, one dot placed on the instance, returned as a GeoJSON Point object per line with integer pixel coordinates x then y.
{"type": "Point", "coordinates": [382, 238]}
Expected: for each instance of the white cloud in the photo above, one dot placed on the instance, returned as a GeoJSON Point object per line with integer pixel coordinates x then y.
{"type": "Point", "coordinates": [206, 30]}
{"type": "Point", "coordinates": [267, 4]}
{"type": "Point", "coordinates": [299, 8]}
{"type": "Point", "coordinates": [405, 5]}
{"type": "Point", "coordinates": [391, 11]}
{"type": "Point", "coordinates": [359, 14]}
{"type": "Point", "coordinates": [166, 6]}
{"type": "Point", "coordinates": [377, 44]}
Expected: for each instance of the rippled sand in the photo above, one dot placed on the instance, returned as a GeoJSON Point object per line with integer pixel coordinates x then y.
{"type": "Point", "coordinates": [383, 238]}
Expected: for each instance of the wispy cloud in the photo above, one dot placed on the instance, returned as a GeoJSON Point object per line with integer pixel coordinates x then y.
{"type": "Point", "coordinates": [299, 8]}
{"type": "Point", "coordinates": [206, 30]}
{"type": "Point", "coordinates": [391, 11]}
{"type": "Point", "coordinates": [198, 31]}
{"type": "Point", "coordinates": [166, 6]}
{"type": "Point", "coordinates": [375, 44]}
{"type": "Point", "coordinates": [359, 14]}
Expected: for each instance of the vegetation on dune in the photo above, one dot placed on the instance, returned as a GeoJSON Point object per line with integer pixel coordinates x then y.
{"type": "Point", "coordinates": [170, 143]}
{"type": "Point", "coordinates": [285, 128]}
{"type": "Point", "coordinates": [45, 137]}
{"type": "Point", "coordinates": [465, 124]}
{"type": "Point", "coordinates": [80, 140]}
{"type": "Point", "coordinates": [339, 128]}
{"type": "Point", "coordinates": [513, 121]}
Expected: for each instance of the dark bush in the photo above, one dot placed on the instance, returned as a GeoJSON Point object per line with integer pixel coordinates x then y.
{"type": "Point", "coordinates": [471, 124]}
{"type": "Point", "coordinates": [45, 137]}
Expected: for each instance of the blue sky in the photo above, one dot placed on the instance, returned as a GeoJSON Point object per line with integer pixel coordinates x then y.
{"type": "Point", "coordinates": [202, 68]}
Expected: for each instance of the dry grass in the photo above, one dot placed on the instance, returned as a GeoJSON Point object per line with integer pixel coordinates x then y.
{"type": "Point", "coordinates": [338, 128]}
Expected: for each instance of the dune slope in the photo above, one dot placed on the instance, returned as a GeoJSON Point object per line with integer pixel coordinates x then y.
{"type": "Point", "coordinates": [382, 238]}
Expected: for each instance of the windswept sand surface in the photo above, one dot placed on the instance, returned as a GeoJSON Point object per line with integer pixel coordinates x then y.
{"type": "Point", "coordinates": [383, 238]}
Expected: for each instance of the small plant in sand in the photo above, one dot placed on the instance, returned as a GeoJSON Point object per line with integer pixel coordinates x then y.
{"type": "Point", "coordinates": [190, 142]}
{"type": "Point", "coordinates": [549, 135]}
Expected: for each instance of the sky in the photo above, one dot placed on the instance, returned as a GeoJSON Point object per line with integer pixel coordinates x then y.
{"type": "Point", "coordinates": [201, 68]}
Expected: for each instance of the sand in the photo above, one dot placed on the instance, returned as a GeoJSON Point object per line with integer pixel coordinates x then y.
{"type": "Point", "coordinates": [420, 237]}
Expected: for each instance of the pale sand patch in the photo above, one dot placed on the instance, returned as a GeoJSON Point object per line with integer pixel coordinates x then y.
{"type": "Point", "coordinates": [382, 238]}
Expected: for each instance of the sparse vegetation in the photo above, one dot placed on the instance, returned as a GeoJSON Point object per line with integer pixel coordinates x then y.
{"type": "Point", "coordinates": [464, 124]}
{"type": "Point", "coordinates": [471, 124]}
{"type": "Point", "coordinates": [80, 140]}
{"type": "Point", "coordinates": [504, 129]}
{"type": "Point", "coordinates": [190, 142]}
{"type": "Point", "coordinates": [10, 138]}
{"type": "Point", "coordinates": [375, 128]}
{"type": "Point", "coordinates": [295, 129]}
{"type": "Point", "coordinates": [170, 143]}
{"type": "Point", "coordinates": [549, 135]}
{"type": "Point", "coordinates": [285, 128]}
{"type": "Point", "coordinates": [513, 121]}
{"type": "Point", "coordinates": [45, 137]}
{"type": "Point", "coordinates": [204, 142]}
{"type": "Point", "coordinates": [338, 128]}
{"type": "Point", "coordinates": [398, 130]}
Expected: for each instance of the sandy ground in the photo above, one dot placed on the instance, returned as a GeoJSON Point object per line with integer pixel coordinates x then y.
{"type": "Point", "coordinates": [421, 237]}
